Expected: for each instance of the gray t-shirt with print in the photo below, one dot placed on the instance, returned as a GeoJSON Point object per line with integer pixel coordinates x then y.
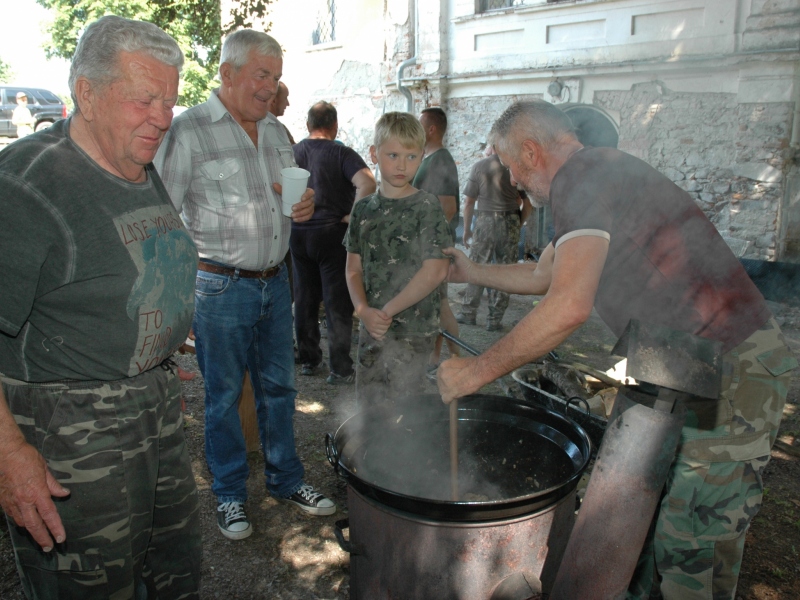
{"type": "Point", "coordinates": [99, 272]}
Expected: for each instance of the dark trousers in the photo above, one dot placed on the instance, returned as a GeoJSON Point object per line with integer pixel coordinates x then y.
{"type": "Point", "coordinates": [319, 259]}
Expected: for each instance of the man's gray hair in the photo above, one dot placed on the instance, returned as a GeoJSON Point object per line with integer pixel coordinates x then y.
{"type": "Point", "coordinates": [535, 120]}
{"type": "Point", "coordinates": [99, 47]}
{"type": "Point", "coordinates": [237, 46]}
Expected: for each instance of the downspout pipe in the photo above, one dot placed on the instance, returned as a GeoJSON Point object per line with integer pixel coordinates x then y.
{"type": "Point", "coordinates": [403, 89]}
{"type": "Point", "coordinates": [409, 62]}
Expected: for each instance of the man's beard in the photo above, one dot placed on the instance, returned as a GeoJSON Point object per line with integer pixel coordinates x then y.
{"type": "Point", "coordinates": [538, 194]}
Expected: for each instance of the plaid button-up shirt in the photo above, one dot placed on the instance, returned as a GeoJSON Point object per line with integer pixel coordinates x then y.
{"type": "Point", "coordinates": [222, 185]}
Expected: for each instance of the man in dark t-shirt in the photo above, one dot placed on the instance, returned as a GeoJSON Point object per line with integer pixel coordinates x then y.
{"type": "Point", "coordinates": [339, 178]}
{"type": "Point", "coordinates": [633, 245]}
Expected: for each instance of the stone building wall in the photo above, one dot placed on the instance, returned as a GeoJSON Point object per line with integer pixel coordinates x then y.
{"type": "Point", "coordinates": [730, 157]}
{"type": "Point", "coordinates": [469, 121]}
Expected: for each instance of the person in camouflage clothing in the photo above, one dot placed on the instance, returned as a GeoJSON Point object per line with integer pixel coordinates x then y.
{"type": "Point", "coordinates": [95, 478]}
{"type": "Point", "coordinates": [394, 267]}
{"type": "Point", "coordinates": [715, 485]}
{"type": "Point", "coordinates": [631, 244]}
{"type": "Point", "coordinates": [500, 208]}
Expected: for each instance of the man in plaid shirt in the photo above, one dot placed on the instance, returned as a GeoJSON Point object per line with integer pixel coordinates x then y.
{"type": "Point", "coordinates": [221, 163]}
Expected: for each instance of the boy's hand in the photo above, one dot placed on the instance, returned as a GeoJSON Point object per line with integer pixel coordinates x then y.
{"type": "Point", "coordinates": [460, 266]}
{"type": "Point", "coordinates": [376, 321]}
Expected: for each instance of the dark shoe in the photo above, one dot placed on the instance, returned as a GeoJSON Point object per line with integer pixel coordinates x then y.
{"type": "Point", "coordinates": [493, 326]}
{"type": "Point", "coordinates": [335, 379]}
{"type": "Point", "coordinates": [464, 319]}
{"type": "Point", "coordinates": [311, 502]}
{"type": "Point", "coordinates": [232, 521]}
{"type": "Point", "coordinates": [308, 369]}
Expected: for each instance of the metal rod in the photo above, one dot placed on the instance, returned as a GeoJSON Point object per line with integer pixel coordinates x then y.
{"type": "Point", "coordinates": [551, 355]}
{"type": "Point", "coordinates": [454, 450]}
{"type": "Point", "coordinates": [449, 336]}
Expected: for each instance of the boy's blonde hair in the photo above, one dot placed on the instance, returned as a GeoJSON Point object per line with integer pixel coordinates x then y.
{"type": "Point", "coordinates": [403, 126]}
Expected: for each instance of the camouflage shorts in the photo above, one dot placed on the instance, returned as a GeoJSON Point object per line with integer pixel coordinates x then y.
{"type": "Point", "coordinates": [131, 518]}
{"type": "Point", "coordinates": [714, 488]}
{"type": "Point", "coordinates": [391, 369]}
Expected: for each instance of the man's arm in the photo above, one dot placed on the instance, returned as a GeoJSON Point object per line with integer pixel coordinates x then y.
{"type": "Point", "coordinates": [449, 206]}
{"type": "Point", "coordinates": [173, 162]}
{"type": "Point", "coordinates": [576, 272]}
{"type": "Point", "coordinates": [469, 207]}
{"type": "Point", "coordinates": [364, 182]}
{"type": "Point", "coordinates": [26, 485]}
{"type": "Point", "coordinates": [376, 321]}
{"type": "Point", "coordinates": [427, 279]}
{"type": "Point", "coordinates": [516, 278]}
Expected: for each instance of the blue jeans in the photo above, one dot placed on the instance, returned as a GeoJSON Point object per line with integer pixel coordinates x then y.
{"type": "Point", "coordinates": [247, 324]}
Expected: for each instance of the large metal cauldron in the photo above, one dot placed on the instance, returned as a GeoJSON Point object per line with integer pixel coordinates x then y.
{"type": "Point", "coordinates": [502, 539]}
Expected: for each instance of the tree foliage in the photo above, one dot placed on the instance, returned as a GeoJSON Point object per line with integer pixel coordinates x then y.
{"type": "Point", "coordinates": [195, 25]}
{"type": "Point", "coordinates": [6, 73]}
{"type": "Point", "coordinates": [244, 11]}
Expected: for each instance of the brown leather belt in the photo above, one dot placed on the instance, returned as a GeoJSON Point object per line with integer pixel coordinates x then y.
{"type": "Point", "coordinates": [219, 270]}
{"type": "Point", "coordinates": [498, 213]}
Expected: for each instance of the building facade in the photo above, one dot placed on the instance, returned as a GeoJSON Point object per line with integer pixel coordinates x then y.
{"type": "Point", "coordinates": [706, 91]}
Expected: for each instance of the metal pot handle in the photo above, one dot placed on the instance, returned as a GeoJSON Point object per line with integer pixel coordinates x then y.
{"type": "Point", "coordinates": [331, 452]}
{"type": "Point", "coordinates": [580, 400]}
{"type": "Point", "coordinates": [346, 545]}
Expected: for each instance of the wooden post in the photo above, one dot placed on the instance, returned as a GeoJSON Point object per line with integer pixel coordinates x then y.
{"type": "Point", "coordinates": [247, 407]}
{"type": "Point", "coordinates": [247, 415]}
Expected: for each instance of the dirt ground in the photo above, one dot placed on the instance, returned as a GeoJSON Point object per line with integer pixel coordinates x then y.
{"type": "Point", "coordinates": [293, 556]}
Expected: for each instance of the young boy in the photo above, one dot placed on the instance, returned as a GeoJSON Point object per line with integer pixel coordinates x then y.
{"type": "Point", "coordinates": [394, 267]}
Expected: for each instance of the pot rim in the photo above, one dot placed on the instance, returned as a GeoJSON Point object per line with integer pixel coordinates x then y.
{"type": "Point", "coordinates": [473, 510]}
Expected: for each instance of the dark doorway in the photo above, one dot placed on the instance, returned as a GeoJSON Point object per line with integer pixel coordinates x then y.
{"type": "Point", "coordinates": [592, 126]}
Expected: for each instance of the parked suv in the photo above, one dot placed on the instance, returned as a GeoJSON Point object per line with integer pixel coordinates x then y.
{"type": "Point", "coordinates": [45, 106]}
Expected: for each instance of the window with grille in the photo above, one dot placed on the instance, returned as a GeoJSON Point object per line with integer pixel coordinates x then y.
{"type": "Point", "coordinates": [487, 5]}
{"type": "Point", "coordinates": [325, 29]}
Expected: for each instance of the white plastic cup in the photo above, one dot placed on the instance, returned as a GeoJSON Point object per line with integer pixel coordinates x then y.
{"type": "Point", "coordinates": [294, 181]}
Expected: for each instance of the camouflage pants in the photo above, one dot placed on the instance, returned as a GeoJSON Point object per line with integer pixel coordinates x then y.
{"type": "Point", "coordinates": [131, 519]}
{"type": "Point", "coordinates": [714, 488]}
{"type": "Point", "coordinates": [391, 369]}
{"type": "Point", "coordinates": [495, 240]}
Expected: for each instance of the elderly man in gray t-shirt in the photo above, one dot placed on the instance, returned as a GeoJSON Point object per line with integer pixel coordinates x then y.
{"type": "Point", "coordinates": [500, 210]}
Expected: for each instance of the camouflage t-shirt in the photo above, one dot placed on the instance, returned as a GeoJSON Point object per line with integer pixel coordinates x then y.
{"type": "Point", "coordinates": [394, 236]}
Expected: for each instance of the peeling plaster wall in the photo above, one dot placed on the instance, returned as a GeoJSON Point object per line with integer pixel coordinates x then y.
{"type": "Point", "coordinates": [352, 72]}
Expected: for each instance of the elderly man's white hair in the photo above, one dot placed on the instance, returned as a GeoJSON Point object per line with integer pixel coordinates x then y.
{"type": "Point", "coordinates": [99, 47]}
{"type": "Point", "coordinates": [237, 46]}
{"type": "Point", "coordinates": [535, 120]}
